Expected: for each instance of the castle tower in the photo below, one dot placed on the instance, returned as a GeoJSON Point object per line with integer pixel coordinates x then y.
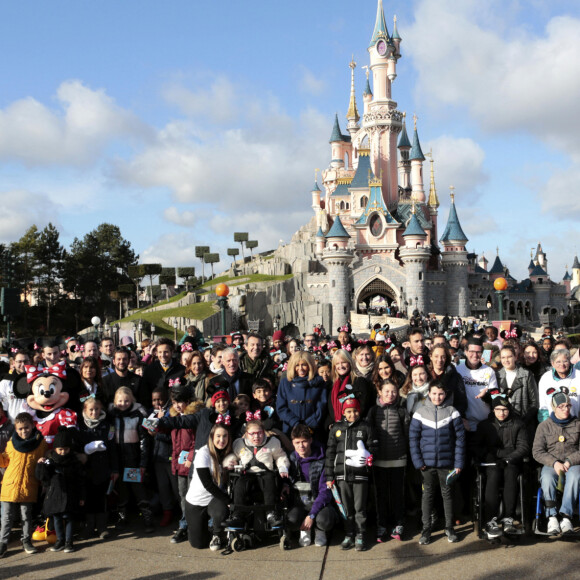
{"type": "Point", "coordinates": [337, 257]}
{"type": "Point", "coordinates": [404, 164]}
{"type": "Point", "coordinates": [316, 193]}
{"type": "Point", "coordinates": [340, 144]}
{"type": "Point", "coordinates": [497, 268]}
{"type": "Point", "coordinates": [454, 261]}
{"type": "Point", "coordinates": [368, 93]}
{"type": "Point", "coordinates": [352, 113]}
{"type": "Point", "coordinates": [382, 122]}
{"type": "Point", "coordinates": [567, 280]}
{"type": "Point", "coordinates": [415, 256]}
{"type": "Point", "coordinates": [416, 156]}
{"type": "Point", "coordinates": [320, 242]}
{"type": "Point", "coordinates": [541, 259]}
{"type": "Point", "coordinates": [433, 201]}
{"type": "Point", "coordinates": [575, 273]}
{"type": "Point", "coordinates": [483, 262]}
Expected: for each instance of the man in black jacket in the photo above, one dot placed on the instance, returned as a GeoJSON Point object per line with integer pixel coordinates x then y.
{"type": "Point", "coordinates": [121, 377]}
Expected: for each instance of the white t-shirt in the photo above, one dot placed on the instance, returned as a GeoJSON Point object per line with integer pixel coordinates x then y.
{"type": "Point", "coordinates": [510, 377]}
{"type": "Point", "coordinates": [475, 380]}
{"type": "Point", "coordinates": [12, 404]}
{"type": "Point", "coordinates": [197, 494]}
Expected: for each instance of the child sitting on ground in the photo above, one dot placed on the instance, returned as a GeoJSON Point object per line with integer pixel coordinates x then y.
{"type": "Point", "coordinates": [20, 484]}
{"type": "Point", "coordinates": [437, 443]}
{"type": "Point", "coordinates": [351, 444]}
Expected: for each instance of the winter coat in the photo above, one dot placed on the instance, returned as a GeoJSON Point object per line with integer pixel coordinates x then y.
{"type": "Point", "coordinates": [268, 415]}
{"type": "Point", "coordinates": [198, 385]}
{"type": "Point", "coordinates": [101, 464]}
{"type": "Point", "coordinates": [311, 470]}
{"type": "Point", "coordinates": [555, 442]}
{"type": "Point", "coordinates": [390, 424]}
{"type": "Point", "coordinates": [261, 368]}
{"type": "Point", "coordinates": [20, 484]}
{"type": "Point", "coordinates": [345, 436]}
{"type": "Point", "coordinates": [113, 381]}
{"type": "Point", "coordinates": [183, 440]}
{"type": "Point", "coordinates": [161, 445]}
{"type": "Point", "coordinates": [437, 437]}
{"type": "Point", "coordinates": [155, 377]}
{"type": "Point", "coordinates": [551, 383]}
{"type": "Point", "coordinates": [363, 390]}
{"type": "Point", "coordinates": [6, 432]}
{"type": "Point", "coordinates": [495, 440]}
{"type": "Point", "coordinates": [63, 476]}
{"type": "Point", "coordinates": [523, 394]}
{"type": "Point", "coordinates": [268, 456]}
{"type": "Point", "coordinates": [301, 401]}
{"type": "Point", "coordinates": [131, 440]}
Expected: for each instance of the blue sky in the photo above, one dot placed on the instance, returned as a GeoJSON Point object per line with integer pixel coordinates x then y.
{"type": "Point", "coordinates": [184, 121]}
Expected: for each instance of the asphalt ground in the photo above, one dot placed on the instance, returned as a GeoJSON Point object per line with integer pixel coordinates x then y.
{"type": "Point", "coordinates": [132, 554]}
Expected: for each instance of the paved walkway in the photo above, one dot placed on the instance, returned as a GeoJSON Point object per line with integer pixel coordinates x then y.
{"type": "Point", "coordinates": [135, 556]}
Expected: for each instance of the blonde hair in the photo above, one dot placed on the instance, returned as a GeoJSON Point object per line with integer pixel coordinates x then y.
{"type": "Point", "coordinates": [342, 356]}
{"type": "Point", "coordinates": [297, 357]}
{"type": "Point", "coordinates": [124, 391]}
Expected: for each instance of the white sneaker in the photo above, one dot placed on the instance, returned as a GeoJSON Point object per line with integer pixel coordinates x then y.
{"type": "Point", "coordinates": [553, 525]}
{"type": "Point", "coordinates": [319, 538]}
{"type": "Point", "coordinates": [566, 526]}
{"type": "Point", "coordinates": [305, 539]}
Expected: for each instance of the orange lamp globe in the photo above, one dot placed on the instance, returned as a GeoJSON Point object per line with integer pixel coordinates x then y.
{"type": "Point", "coordinates": [222, 289]}
{"type": "Point", "coordinates": [500, 284]}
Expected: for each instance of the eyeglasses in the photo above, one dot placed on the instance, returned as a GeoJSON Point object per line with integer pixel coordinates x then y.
{"type": "Point", "coordinates": [564, 406]}
{"type": "Point", "coordinates": [255, 433]}
{"type": "Point", "coordinates": [501, 410]}
{"type": "Point", "coordinates": [476, 352]}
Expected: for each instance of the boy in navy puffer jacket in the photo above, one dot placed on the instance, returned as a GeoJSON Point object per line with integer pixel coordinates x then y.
{"type": "Point", "coordinates": [437, 443]}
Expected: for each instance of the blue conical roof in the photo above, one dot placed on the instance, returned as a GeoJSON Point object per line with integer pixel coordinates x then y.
{"type": "Point", "coordinates": [416, 152]}
{"type": "Point", "coordinates": [363, 172]}
{"type": "Point", "coordinates": [453, 231]}
{"type": "Point", "coordinates": [336, 135]}
{"type": "Point", "coordinates": [567, 276]}
{"type": "Point", "coordinates": [414, 227]}
{"type": "Point", "coordinates": [337, 230]}
{"type": "Point", "coordinates": [531, 265]}
{"type": "Point", "coordinates": [380, 30]}
{"type": "Point", "coordinates": [319, 233]}
{"type": "Point", "coordinates": [404, 138]}
{"type": "Point", "coordinates": [367, 90]}
{"type": "Point", "coordinates": [316, 188]}
{"type": "Point", "coordinates": [375, 204]}
{"type": "Point", "coordinates": [538, 271]}
{"type": "Point", "coordinates": [396, 35]}
{"type": "Point", "coordinates": [497, 267]}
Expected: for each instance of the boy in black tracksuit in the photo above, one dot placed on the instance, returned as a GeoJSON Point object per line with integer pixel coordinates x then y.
{"type": "Point", "coordinates": [351, 444]}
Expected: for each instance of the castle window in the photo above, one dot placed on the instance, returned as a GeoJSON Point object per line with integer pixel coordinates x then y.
{"type": "Point", "coordinates": [363, 201]}
{"type": "Point", "coordinates": [420, 275]}
{"type": "Point", "coordinates": [376, 225]}
{"type": "Point", "coordinates": [348, 206]}
{"type": "Point", "coordinates": [346, 161]}
{"type": "Point", "coordinates": [333, 283]}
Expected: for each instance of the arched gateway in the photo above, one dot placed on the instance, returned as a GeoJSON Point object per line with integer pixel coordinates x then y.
{"type": "Point", "coordinates": [368, 294]}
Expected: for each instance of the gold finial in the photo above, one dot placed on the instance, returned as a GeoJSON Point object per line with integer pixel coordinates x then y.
{"type": "Point", "coordinates": [366, 69]}
{"type": "Point", "coordinates": [433, 199]}
{"type": "Point", "coordinates": [352, 64]}
{"type": "Point", "coordinates": [352, 113]}
{"type": "Point", "coordinates": [395, 19]}
{"type": "Point", "coordinates": [531, 252]}
{"type": "Point", "coordinates": [452, 194]}
{"type": "Point", "coordinates": [415, 120]}
{"type": "Point", "coordinates": [404, 114]}
{"type": "Point", "coordinates": [413, 208]}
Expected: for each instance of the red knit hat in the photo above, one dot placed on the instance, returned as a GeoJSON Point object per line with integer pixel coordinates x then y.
{"type": "Point", "coordinates": [278, 335]}
{"type": "Point", "coordinates": [351, 403]}
{"type": "Point", "coordinates": [219, 395]}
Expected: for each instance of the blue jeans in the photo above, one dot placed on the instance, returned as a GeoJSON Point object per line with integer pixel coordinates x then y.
{"type": "Point", "coordinates": [549, 481]}
{"type": "Point", "coordinates": [63, 526]}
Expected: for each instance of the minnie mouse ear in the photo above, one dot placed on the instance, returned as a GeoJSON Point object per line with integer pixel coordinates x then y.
{"type": "Point", "coordinates": [386, 328]}
{"type": "Point", "coordinates": [21, 387]}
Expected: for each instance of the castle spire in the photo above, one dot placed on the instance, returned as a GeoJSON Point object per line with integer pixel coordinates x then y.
{"type": "Point", "coordinates": [416, 152]}
{"type": "Point", "coordinates": [352, 113]}
{"type": "Point", "coordinates": [453, 233]}
{"type": "Point", "coordinates": [336, 134]}
{"type": "Point", "coordinates": [380, 31]}
{"type": "Point", "coordinates": [433, 199]}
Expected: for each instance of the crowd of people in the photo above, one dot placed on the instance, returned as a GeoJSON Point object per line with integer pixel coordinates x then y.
{"type": "Point", "coordinates": [327, 433]}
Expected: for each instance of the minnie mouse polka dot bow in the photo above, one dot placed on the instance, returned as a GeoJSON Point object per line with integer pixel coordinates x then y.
{"type": "Point", "coordinates": [416, 360]}
{"type": "Point", "coordinates": [33, 372]}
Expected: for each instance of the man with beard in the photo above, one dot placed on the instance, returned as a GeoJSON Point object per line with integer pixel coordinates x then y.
{"type": "Point", "coordinates": [121, 376]}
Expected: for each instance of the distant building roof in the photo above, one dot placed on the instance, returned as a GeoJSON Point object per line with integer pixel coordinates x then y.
{"type": "Point", "coordinates": [337, 230]}
{"type": "Point", "coordinates": [363, 173]}
{"type": "Point", "coordinates": [342, 189]}
{"type": "Point", "coordinates": [336, 134]}
{"type": "Point", "coordinates": [404, 211]}
{"type": "Point", "coordinates": [319, 233]}
{"type": "Point", "coordinates": [497, 267]}
{"type": "Point", "coordinates": [567, 276]}
{"type": "Point", "coordinates": [404, 138]}
{"type": "Point", "coordinates": [316, 188]}
{"type": "Point", "coordinates": [531, 265]}
{"type": "Point", "coordinates": [416, 152]}
{"type": "Point", "coordinates": [576, 264]}
{"type": "Point", "coordinates": [538, 271]}
{"type": "Point", "coordinates": [414, 227]}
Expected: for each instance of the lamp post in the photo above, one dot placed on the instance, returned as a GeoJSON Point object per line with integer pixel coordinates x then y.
{"type": "Point", "coordinates": [95, 321]}
{"type": "Point", "coordinates": [222, 292]}
{"type": "Point", "coordinates": [500, 285]}
{"type": "Point", "coordinates": [140, 328]}
{"type": "Point", "coordinates": [175, 329]}
{"type": "Point", "coordinates": [276, 322]}
{"type": "Point", "coordinates": [152, 331]}
{"type": "Point", "coordinates": [369, 313]}
{"type": "Point", "coordinates": [107, 329]}
{"type": "Point", "coordinates": [134, 332]}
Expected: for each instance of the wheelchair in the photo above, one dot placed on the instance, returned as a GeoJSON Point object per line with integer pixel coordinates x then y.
{"type": "Point", "coordinates": [255, 526]}
{"type": "Point", "coordinates": [522, 510]}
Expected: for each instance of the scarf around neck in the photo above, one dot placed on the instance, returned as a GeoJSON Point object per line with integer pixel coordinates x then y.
{"type": "Point", "coordinates": [92, 423]}
{"type": "Point", "coordinates": [338, 386]}
{"type": "Point", "coordinates": [27, 445]}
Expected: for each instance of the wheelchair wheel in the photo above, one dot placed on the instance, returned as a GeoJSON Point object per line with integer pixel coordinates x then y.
{"type": "Point", "coordinates": [238, 544]}
{"type": "Point", "coordinates": [248, 541]}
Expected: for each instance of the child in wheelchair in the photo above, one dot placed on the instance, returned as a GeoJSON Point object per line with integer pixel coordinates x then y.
{"type": "Point", "coordinates": [261, 459]}
{"type": "Point", "coordinates": [501, 442]}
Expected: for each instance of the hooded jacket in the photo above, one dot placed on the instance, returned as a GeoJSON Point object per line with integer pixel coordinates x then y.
{"type": "Point", "coordinates": [390, 424]}
{"type": "Point", "coordinates": [183, 440]}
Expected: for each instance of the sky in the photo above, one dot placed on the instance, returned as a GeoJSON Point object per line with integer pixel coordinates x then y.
{"type": "Point", "coordinates": [185, 121]}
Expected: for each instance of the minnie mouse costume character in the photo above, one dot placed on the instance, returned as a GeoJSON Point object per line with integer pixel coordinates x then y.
{"type": "Point", "coordinates": [48, 399]}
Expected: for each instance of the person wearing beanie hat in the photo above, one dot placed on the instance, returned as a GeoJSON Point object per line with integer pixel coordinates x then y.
{"type": "Point", "coordinates": [351, 445]}
{"type": "Point", "coordinates": [278, 340]}
{"type": "Point", "coordinates": [557, 448]}
{"type": "Point", "coordinates": [501, 439]}
{"type": "Point", "coordinates": [63, 476]}
{"type": "Point", "coordinates": [219, 395]}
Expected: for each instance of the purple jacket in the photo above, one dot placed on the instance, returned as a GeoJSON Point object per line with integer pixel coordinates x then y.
{"type": "Point", "coordinates": [311, 469]}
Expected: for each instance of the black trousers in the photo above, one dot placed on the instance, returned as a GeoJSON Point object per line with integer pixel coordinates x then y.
{"type": "Point", "coordinates": [198, 516]}
{"type": "Point", "coordinates": [390, 495]}
{"type": "Point", "coordinates": [496, 476]}
{"type": "Point", "coordinates": [433, 477]}
{"type": "Point", "coordinates": [354, 500]}
{"type": "Point", "coordinates": [325, 519]}
{"type": "Point", "coordinates": [250, 483]}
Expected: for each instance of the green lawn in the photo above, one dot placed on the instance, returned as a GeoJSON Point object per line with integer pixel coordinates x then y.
{"type": "Point", "coordinates": [199, 311]}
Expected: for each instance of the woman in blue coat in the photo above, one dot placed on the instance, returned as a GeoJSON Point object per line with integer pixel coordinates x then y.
{"type": "Point", "coordinates": [302, 395]}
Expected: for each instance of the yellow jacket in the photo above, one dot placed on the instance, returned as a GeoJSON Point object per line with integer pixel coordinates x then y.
{"type": "Point", "coordinates": [20, 484]}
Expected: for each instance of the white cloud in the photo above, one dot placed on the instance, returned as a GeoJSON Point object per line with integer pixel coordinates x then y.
{"type": "Point", "coordinates": [75, 133]}
{"type": "Point", "coordinates": [178, 217]}
{"type": "Point", "coordinates": [22, 209]}
{"type": "Point", "coordinates": [310, 82]}
{"type": "Point", "coordinates": [458, 162]}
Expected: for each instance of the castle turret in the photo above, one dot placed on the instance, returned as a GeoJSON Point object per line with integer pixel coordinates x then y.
{"type": "Point", "coordinates": [320, 242]}
{"type": "Point", "coordinates": [575, 273]}
{"type": "Point", "coordinates": [455, 262]}
{"type": "Point", "coordinates": [337, 257]}
{"type": "Point", "coordinates": [531, 265]}
{"type": "Point", "coordinates": [497, 268]}
{"type": "Point", "coordinates": [415, 256]}
{"type": "Point", "coordinates": [352, 113]}
{"type": "Point", "coordinates": [416, 156]}
{"type": "Point", "coordinates": [483, 262]}
{"type": "Point", "coordinates": [316, 193]}
{"type": "Point", "coordinates": [404, 164]}
{"type": "Point", "coordinates": [396, 38]}
{"type": "Point", "coordinates": [433, 202]}
{"type": "Point", "coordinates": [368, 93]}
{"type": "Point", "coordinates": [340, 145]}
{"type": "Point", "coordinates": [567, 281]}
